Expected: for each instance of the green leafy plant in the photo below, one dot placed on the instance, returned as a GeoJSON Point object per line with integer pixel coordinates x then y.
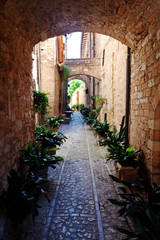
{"type": "Point", "coordinates": [74, 106]}
{"type": "Point", "coordinates": [38, 159]}
{"type": "Point", "coordinates": [40, 102]}
{"type": "Point", "coordinates": [92, 117]}
{"type": "Point", "coordinates": [85, 111]}
{"type": "Point", "coordinates": [20, 198]}
{"type": "Point", "coordinates": [101, 128]}
{"type": "Point", "coordinates": [125, 156]}
{"type": "Point", "coordinates": [81, 106]}
{"type": "Point", "coordinates": [93, 97]}
{"type": "Point", "coordinates": [64, 72]}
{"type": "Point", "coordinates": [113, 138]}
{"type": "Point", "coordinates": [142, 206]}
{"type": "Point", "coordinates": [78, 106]}
{"type": "Point", "coordinates": [55, 121]}
{"type": "Point", "coordinates": [48, 137]}
{"type": "Point", "coordinates": [100, 101]}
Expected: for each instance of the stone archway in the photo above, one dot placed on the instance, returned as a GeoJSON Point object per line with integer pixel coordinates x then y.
{"type": "Point", "coordinates": [135, 23]}
{"type": "Point", "coordinates": [88, 80]}
{"type": "Point", "coordinates": [84, 66]}
{"type": "Point", "coordinates": [126, 21]}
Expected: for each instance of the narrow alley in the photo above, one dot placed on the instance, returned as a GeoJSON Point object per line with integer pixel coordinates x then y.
{"type": "Point", "coordinates": [78, 190]}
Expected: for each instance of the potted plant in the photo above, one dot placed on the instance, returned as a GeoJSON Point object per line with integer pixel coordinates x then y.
{"type": "Point", "coordinates": [125, 159]}
{"type": "Point", "coordinates": [142, 206]}
{"type": "Point", "coordinates": [19, 201]}
{"type": "Point", "coordinates": [92, 118]}
{"type": "Point", "coordinates": [36, 159]}
{"type": "Point", "coordinates": [101, 129]}
{"type": "Point", "coordinates": [64, 72]}
{"type": "Point", "coordinates": [48, 138]}
{"type": "Point", "coordinates": [85, 111]}
{"type": "Point", "coordinates": [40, 103]}
{"type": "Point", "coordinates": [113, 138]}
{"type": "Point", "coordinates": [55, 121]}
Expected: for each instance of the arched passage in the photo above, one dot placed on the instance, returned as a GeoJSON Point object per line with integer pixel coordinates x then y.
{"type": "Point", "coordinates": [88, 80]}
{"type": "Point", "coordinates": [135, 23]}
{"type": "Point", "coordinates": [76, 92]}
{"type": "Point", "coordinates": [84, 66]}
{"type": "Point", "coordinates": [127, 21]}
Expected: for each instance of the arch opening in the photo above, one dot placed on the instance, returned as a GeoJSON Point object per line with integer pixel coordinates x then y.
{"type": "Point", "coordinates": [77, 92]}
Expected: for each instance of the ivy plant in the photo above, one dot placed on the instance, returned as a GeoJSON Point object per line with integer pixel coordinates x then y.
{"type": "Point", "coordinates": [40, 102]}
{"type": "Point", "coordinates": [64, 72]}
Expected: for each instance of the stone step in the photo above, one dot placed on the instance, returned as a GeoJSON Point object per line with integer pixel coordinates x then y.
{"type": "Point", "coordinates": [66, 120]}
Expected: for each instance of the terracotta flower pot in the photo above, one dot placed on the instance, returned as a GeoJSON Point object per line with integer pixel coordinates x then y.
{"type": "Point", "coordinates": [126, 173]}
{"type": "Point", "coordinates": [50, 152]}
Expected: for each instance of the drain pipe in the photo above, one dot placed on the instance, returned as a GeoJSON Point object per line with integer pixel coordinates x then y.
{"type": "Point", "coordinates": [128, 86]}
{"type": "Point", "coordinates": [39, 65]}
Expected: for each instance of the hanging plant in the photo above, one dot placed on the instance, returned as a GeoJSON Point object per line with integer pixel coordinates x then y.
{"type": "Point", "coordinates": [40, 102]}
{"type": "Point", "coordinates": [64, 72]}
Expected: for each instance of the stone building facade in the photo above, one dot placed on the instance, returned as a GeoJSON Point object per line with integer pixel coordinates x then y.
{"type": "Point", "coordinates": [46, 75]}
{"type": "Point", "coordinates": [135, 23]}
{"type": "Point", "coordinates": [112, 71]}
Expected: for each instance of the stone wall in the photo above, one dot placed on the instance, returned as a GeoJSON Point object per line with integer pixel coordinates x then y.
{"type": "Point", "coordinates": [49, 76]}
{"type": "Point", "coordinates": [79, 96]}
{"type": "Point", "coordinates": [112, 70]}
{"type": "Point", "coordinates": [145, 91]}
{"type": "Point", "coordinates": [145, 100]}
{"type": "Point", "coordinates": [84, 66]}
{"type": "Point", "coordinates": [113, 80]}
{"type": "Point", "coordinates": [16, 97]}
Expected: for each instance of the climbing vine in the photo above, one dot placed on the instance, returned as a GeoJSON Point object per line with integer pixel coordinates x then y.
{"type": "Point", "coordinates": [64, 72]}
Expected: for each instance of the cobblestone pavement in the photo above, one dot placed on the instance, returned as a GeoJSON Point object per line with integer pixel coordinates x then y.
{"type": "Point", "coordinates": [78, 189]}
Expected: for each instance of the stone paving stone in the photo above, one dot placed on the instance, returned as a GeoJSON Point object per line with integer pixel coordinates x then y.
{"type": "Point", "coordinates": [73, 212]}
